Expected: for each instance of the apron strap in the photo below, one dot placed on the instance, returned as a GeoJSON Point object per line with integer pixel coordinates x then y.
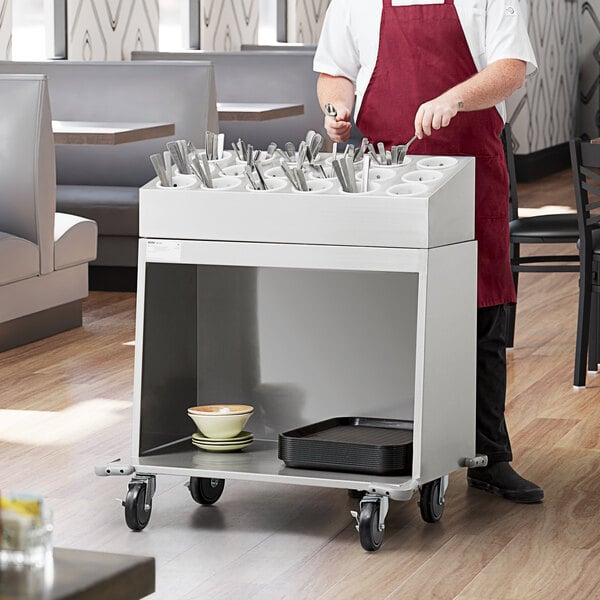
{"type": "Point", "coordinates": [389, 3]}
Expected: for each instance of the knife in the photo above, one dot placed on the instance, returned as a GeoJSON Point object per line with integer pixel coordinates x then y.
{"type": "Point", "coordinates": [366, 163]}
{"type": "Point", "coordinates": [339, 174]}
{"type": "Point", "coordinates": [159, 167]}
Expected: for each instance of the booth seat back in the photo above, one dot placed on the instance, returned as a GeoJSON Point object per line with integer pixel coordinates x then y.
{"type": "Point", "coordinates": [27, 167]}
{"type": "Point", "coordinates": [278, 76]}
{"type": "Point", "coordinates": [124, 92]}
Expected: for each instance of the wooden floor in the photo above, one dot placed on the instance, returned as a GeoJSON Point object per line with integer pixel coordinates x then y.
{"type": "Point", "coordinates": [65, 405]}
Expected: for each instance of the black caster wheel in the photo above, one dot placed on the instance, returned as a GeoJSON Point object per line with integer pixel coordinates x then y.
{"type": "Point", "coordinates": [430, 503]}
{"type": "Point", "coordinates": [137, 507]}
{"type": "Point", "coordinates": [206, 490]}
{"type": "Point", "coordinates": [371, 537]}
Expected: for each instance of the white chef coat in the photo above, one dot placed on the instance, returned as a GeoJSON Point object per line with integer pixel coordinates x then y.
{"type": "Point", "coordinates": [349, 43]}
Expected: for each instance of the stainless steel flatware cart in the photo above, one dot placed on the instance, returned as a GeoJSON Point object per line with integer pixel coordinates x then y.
{"type": "Point", "coordinates": [308, 306]}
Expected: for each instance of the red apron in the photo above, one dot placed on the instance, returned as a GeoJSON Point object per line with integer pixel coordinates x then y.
{"type": "Point", "coordinates": [423, 53]}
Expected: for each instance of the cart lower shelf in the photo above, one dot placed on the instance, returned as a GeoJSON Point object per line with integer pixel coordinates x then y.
{"type": "Point", "coordinates": [208, 472]}
{"type": "Point", "coordinates": [259, 462]}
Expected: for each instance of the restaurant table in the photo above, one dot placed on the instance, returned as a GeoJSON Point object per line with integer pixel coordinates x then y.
{"type": "Point", "coordinates": [257, 111]}
{"type": "Point", "coordinates": [82, 575]}
{"type": "Point", "coordinates": [105, 133]}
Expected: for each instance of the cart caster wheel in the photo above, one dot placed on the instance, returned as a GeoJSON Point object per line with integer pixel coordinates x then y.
{"type": "Point", "coordinates": [369, 532]}
{"type": "Point", "coordinates": [206, 490]}
{"type": "Point", "coordinates": [432, 501]}
{"type": "Point", "coordinates": [137, 507]}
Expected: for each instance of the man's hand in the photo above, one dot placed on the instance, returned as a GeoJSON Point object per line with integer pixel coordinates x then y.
{"type": "Point", "coordinates": [338, 128]}
{"type": "Point", "coordinates": [484, 90]}
{"type": "Point", "coordinates": [435, 114]}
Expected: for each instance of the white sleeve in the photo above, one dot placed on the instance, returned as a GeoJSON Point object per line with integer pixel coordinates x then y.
{"type": "Point", "coordinates": [337, 53]}
{"type": "Point", "coordinates": [506, 33]}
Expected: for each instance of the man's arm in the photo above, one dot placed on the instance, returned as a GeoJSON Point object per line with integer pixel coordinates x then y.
{"type": "Point", "coordinates": [338, 91]}
{"type": "Point", "coordinates": [490, 86]}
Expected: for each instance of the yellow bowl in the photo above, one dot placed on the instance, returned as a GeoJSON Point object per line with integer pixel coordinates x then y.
{"type": "Point", "coordinates": [216, 425]}
{"type": "Point", "coordinates": [221, 409]}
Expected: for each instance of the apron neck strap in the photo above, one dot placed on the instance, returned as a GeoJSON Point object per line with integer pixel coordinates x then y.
{"type": "Point", "coordinates": [389, 2]}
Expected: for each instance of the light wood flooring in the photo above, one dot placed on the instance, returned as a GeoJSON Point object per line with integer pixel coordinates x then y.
{"type": "Point", "coordinates": [65, 405]}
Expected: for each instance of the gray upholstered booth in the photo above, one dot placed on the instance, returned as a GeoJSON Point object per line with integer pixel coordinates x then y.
{"type": "Point", "coordinates": [101, 182]}
{"type": "Point", "coordinates": [260, 76]}
{"type": "Point", "coordinates": [44, 255]}
{"type": "Point", "coordinates": [278, 47]}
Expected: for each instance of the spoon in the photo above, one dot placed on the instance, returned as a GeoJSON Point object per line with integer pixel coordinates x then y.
{"type": "Point", "coordinates": [330, 110]}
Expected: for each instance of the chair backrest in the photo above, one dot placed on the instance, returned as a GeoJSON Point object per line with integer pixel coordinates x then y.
{"type": "Point", "coordinates": [585, 166]}
{"type": "Point", "coordinates": [277, 76]}
{"type": "Point", "coordinates": [179, 93]}
{"type": "Point", "coordinates": [513, 198]}
{"type": "Point", "coordinates": [27, 166]}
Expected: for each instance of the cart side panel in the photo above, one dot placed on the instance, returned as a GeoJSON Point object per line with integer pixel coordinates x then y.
{"type": "Point", "coordinates": [168, 377]}
{"type": "Point", "coordinates": [446, 412]}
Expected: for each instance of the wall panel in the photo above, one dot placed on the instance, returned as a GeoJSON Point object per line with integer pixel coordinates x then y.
{"type": "Point", "coordinates": [305, 20]}
{"type": "Point", "coordinates": [110, 29]}
{"type": "Point", "coordinates": [227, 24]}
{"type": "Point", "coordinates": [5, 29]}
{"type": "Point", "coordinates": [588, 122]}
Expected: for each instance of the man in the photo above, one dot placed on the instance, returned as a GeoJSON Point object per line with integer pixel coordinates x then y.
{"type": "Point", "coordinates": [441, 69]}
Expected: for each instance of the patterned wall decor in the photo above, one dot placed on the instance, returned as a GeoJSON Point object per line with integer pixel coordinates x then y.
{"type": "Point", "coordinates": [305, 20]}
{"type": "Point", "coordinates": [543, 113]}
{"type": "Point", "coordinates": [110, 29]}
{"type": "Point", "coordinates": [589, 61]}
{"type": "Point", "coordinates": [227, 24]}
{"type": "Point", "coordinates": [5, 29]}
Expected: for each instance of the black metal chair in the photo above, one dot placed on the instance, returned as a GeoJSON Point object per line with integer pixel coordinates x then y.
{"type": "Point", "coordinates": [585, 164]}
{"type": "Point", "coordinates": [558, 228]}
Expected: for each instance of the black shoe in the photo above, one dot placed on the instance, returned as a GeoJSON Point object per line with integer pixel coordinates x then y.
{"type": "Point", "coordinates": [502, 480]}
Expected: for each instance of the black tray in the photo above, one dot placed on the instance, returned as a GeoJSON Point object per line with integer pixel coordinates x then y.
{"type": "Point", "coordinates": [351, 444]}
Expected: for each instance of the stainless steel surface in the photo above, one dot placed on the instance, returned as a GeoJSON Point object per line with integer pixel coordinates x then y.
{"type": "Point", "coordinates": [442, 212]}
{"type": "Point", "coordinates": [302, 180]}
{"type": "Point", "coordinates": [339, 173]}
{"type": "Point", "coordinates": [168, 167]}
{"type": "Point", "coordinates": [291, 150]}
{"type": "Point", "coordinates": [307, 331]}
{"type": "Point", "coordinates": [259, 462]}
{"type": "Point", "coordinates": [330, 110]}
{"type": "Point", "coordinates": [365, 171]}
{"type": "Point", "coordinates": [298, 345]}
{"type": "Point", "coordinates": [207, 172]}
{"type": "Point", "coordinates": [289, 174]}
{"type": "Point", "coordinates": [159, 167]}
{"type": "Point", "coordinates": [403, 149]}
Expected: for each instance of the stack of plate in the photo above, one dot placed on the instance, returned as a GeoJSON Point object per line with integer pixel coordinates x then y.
{"type": "Point", "coordinates": [243, 439]}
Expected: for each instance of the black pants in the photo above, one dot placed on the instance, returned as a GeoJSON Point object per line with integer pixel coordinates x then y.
{"type": "Point", "coordinates": [491, 435]}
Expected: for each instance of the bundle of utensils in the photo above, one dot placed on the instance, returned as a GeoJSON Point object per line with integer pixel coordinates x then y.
{"type": "Point", "coordinates": [176, 154]}
{"type": "Point", "coordinates": [214, 144]}
{"type": "Point", "coordinates": [258, 183]}
{"type": "Point", "coordinates": [308, 152]}
{"type": "Point", "coordinates": [201, 168]}
{"type": "Point", "coordinates": [295, 175]}
{"type": "Point", "coordinates": [246, 152]}
{"type": "Point", "coordinates": [394, 156]}
{"type": "Point", "coordinates": [187, 159]}
{"type": "Point", "coordinates": [345, 171]}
